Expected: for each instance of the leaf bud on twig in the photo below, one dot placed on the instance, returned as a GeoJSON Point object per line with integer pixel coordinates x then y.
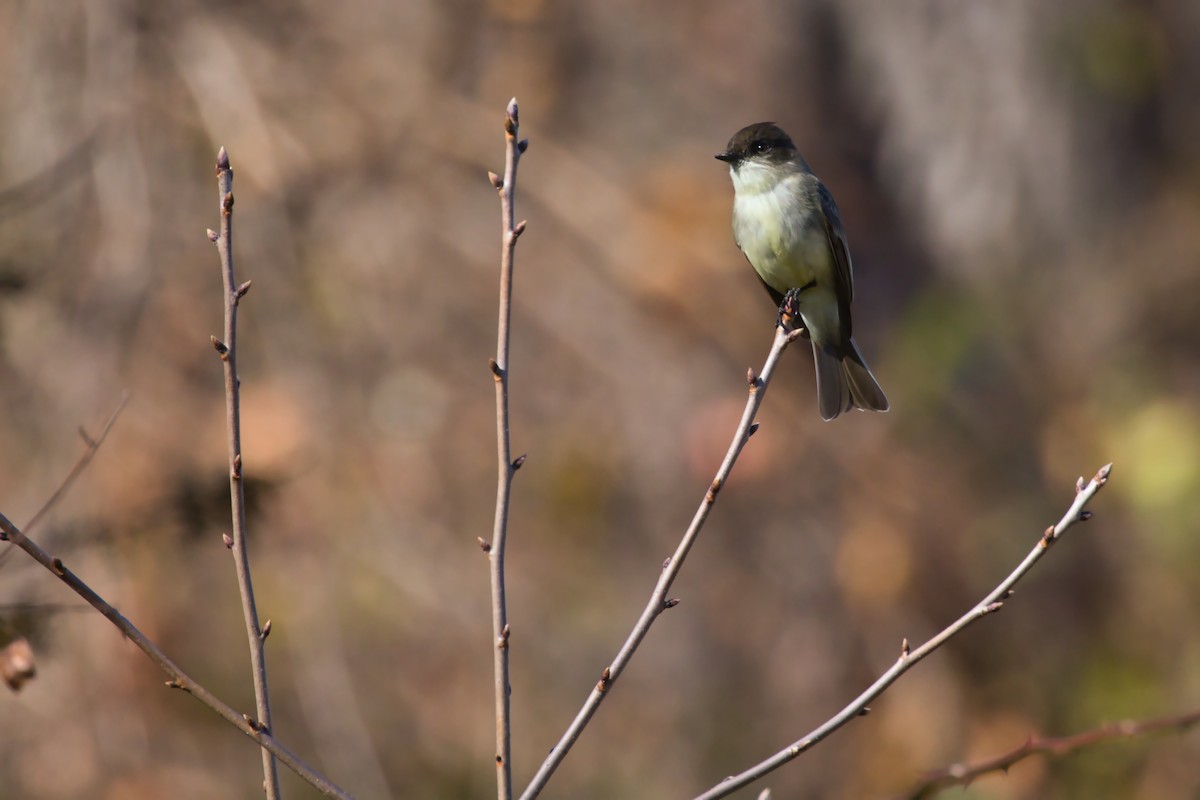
{"type": "Point", "coordinates": [511, 118]}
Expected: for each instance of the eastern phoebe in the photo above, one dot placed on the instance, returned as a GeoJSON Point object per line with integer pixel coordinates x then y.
{"type": "Point", "coordinates": [786, 224]}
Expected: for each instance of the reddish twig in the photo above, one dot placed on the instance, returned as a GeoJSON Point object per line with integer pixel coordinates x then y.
{"type": "Point", "coordinates": [909, 658]}
{"type": "Point", "coordinates": [961, 774]}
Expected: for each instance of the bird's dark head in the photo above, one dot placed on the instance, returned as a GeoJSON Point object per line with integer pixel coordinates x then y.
{"type": "Point", "coordinates": [762, 141]}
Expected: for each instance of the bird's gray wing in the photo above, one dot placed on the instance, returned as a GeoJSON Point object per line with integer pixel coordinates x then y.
{"type": "Point", "coordinates": [843, 276]}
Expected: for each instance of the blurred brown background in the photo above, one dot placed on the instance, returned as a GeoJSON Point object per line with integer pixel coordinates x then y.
{"type": "Point", "coordinates": [1021, 188]}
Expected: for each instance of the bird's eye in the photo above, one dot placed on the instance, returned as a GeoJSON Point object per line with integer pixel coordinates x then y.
{"type": "Point", "coordinates": [760, 147]}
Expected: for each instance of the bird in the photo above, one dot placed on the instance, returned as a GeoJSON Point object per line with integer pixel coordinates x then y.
{"type": "Point", "coordinates": [787, 225]}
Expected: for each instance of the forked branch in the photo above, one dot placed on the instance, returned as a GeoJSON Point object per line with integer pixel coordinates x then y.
{"type": "Point", "coordinates": [178, 679]}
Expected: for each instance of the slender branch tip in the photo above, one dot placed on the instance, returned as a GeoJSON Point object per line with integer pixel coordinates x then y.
{"type": "Point", "coordinates": [518, 462]}
{"type": "Point", "coordinates": [511, 118]}
{"type": "Point", "coordinates": [522, 145]}
{"type": "Point", "coordinates": [222, 159]}
{"type": "Point", "coordinates": [213, 236]}
{"type": "Point", "coordinates": [228, 540]}
{"type": "Point", "coordinates": [496, 180]}
{"type": "Point", "coordinates": [484, 544]}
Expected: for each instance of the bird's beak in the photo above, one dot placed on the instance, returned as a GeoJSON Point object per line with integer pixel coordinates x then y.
{"type": "Point", "coordinates": [728, 156]}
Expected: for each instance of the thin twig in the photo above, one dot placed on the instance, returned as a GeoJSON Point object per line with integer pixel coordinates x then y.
{"type": "Point", "coordinates": [658, 599]}
{"type": "Point", "coordinates": [909, 658]}
{"type": "Point", "coordinates": [507, 467]}
{"type": "Point", "coordinates": [963, 774]}
{"type": "Point", "coordinates": [227, 350]}
{"type": "Point", "coordinates": [90, 447]}
{"type": "Point", "coordinates": [178, 678]}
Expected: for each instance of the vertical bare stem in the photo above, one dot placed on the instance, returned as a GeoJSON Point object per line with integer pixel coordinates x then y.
{"type": "Point", "coordinates": [227, 350]}
{"type": "Point", "coordinates": [510, 232]}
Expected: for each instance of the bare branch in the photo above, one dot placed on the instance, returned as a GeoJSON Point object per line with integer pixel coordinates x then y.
{"type": "Point", "coordinates": [962, 774]}
{"type": "Point", "coordinates": [178, 679]}
{"type": "Point", "coordinates": [227, 350]}
{"type": "Point", "coordinates": [658, 599]}
{"type": "Point", "coordinates": [85, 458]}
{"type": "Point", "coordinates": [909, 658]}
{"type": "Point", "coordinates": [507, 467]}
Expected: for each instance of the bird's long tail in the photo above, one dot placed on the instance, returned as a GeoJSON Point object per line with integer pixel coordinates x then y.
{"type": "Point", "coordinates": [844, 381]}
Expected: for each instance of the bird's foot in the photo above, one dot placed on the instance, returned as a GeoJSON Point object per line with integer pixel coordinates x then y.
{"type": "Point", "coordinates": [789, 313]}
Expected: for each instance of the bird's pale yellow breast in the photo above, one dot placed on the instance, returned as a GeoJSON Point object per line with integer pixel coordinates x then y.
{"type": "Point", "coordinates": [776, 225]}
